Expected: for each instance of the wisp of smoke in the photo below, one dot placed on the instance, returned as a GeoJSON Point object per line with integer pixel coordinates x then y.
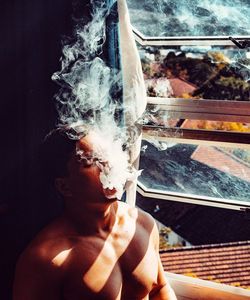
{"type": "Point", "coordinates": [85, 104]}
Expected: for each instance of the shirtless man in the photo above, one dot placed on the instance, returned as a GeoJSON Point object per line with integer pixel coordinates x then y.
{"type": "Point", "coordinates": [100, 248]}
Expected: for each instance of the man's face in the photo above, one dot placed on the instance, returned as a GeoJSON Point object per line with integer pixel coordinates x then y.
{"type": "Point", "coordinates": [86, 168]}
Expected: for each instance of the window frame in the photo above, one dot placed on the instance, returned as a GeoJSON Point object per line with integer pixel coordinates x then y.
{"type": "Point", "coordinates": [220, 40]}
{"type": "Point", "coordinates": [221, 110]}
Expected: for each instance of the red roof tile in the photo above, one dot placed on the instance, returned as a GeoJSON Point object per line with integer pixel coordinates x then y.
{"type": "Point", "coordinates": [222, 161]}
{"type": "Point", "coordinates": [225, 263]}
{"type": "Point", "coordinates": [180, 87]}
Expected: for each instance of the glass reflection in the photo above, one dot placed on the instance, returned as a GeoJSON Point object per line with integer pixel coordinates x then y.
{"type": "Point", "coordinates": [196, 170]}
{"type": "Point", "coordinates": [219, 73]}
{"type": "Point", "coordinates": [190, 17]}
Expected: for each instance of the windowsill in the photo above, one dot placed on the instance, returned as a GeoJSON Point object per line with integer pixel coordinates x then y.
{"type": "Point", "coordinates": [192, 288]}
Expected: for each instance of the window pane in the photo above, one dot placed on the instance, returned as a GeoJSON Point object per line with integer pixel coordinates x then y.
{"type": "Point", "coordinates": [215, 238]}
{"type": "Point", "coordinates": [215, 125]}
{"type": "Point", "coordinates": [190, 17]}
{"type": "Point", "coordinates": [196, 170]}
{"type": "Point", "coordinates": [162, 119]}
{"type": "Point", "coordinates": [206, 72]}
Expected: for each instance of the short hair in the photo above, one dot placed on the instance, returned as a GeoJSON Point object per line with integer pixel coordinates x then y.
{"type": "Point", "coordinates": [54, 154]}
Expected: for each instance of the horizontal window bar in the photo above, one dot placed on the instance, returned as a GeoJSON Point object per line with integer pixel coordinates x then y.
{"type": "Point", "coordinates": [207, 116]}
{"type": "Point", "coordinates": [209, 103]}
{"type": "Point", "coordinates": [207, 201]}
{"type": "Point", "coordinates": [213, 110]}
{"type": "Point", "coordinates": [182, 134]}
{"type": "Point", "coordinates": [186, 40]}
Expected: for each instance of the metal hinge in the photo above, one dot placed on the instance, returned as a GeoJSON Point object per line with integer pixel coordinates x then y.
{"type": "Point", "coordinates": [242, 44]}
{"type": "Point", "coordinates": [246, 211]}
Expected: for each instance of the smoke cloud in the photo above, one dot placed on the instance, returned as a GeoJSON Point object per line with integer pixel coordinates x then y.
{"type": "Point", "coordinates": [85, 102]}
{"type": "Point", "coordinates": [86, 81]}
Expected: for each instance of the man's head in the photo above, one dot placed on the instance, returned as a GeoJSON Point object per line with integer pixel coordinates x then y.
{"type": "Point", "coordinates": [54, 154]}
{"type": "Point", "coordinates": [88, 163]}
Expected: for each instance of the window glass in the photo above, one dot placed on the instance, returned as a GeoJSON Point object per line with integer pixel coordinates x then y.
{"type": "Point", "coordinates": [184, 170]}
{"type": "Point", "coordinates": [162, 119]}
{"type": "Point", "coordinates": [205, 72]}
{"type": "Point", "coordinates": [190, 17]}
{"type": "Point", "coordinates": [215, 125]}
{"type": "Point", "coordinates": [195, 170]}
{"type": "Point", "coordinates": [214, 237]}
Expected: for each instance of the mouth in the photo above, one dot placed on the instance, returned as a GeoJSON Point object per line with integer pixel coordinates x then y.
{"type": "Point", "coordinates": [110, 193]}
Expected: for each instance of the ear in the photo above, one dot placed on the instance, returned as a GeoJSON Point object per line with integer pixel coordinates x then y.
{"type": "Point", "coordinates": [63, 187]}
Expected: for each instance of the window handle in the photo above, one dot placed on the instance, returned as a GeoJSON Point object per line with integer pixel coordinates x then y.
{"type": "Point", "coordinates": [243, 44]}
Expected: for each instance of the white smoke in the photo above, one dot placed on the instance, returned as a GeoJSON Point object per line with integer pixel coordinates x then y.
{"type": "Point", "coordinates": [85, 103]}
{"type": "Point", "coordinates": [108, 156]}
{"type": "Point", "coordinates": [161, 87]}
{"type": "Point", "coordinates": [85, 79]}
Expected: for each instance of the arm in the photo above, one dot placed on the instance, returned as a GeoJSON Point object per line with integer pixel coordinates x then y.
{"type": "Point", "coordinates": [163, 290]}
{"type": "Point", "coordinates": [36, 278]}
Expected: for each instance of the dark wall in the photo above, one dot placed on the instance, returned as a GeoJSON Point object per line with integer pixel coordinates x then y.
{"type": "Point", "coordinates": [31, 32]}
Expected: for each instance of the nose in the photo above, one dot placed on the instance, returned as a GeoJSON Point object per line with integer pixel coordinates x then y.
{"type": "Point", "coordinates": [103, 166]}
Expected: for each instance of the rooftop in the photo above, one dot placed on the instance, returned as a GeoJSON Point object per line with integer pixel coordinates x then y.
{"type": "Point", "coordinates": [227, 263]}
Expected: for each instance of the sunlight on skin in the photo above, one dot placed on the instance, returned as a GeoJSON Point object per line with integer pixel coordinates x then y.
{"type": "Point", "coordinates": [119, 295]}
{"type": "Point", "coordinates": [61, 257]}
{"type": "Point", "coordinates": [141, 268]}
{"type": "Point", "coordinates": [96, 279]}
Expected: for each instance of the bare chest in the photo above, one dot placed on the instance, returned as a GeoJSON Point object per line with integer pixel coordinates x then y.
{"type": "Point", "coordinates": [111, 271]}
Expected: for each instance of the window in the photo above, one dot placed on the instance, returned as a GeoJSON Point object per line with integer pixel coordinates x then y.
{"type": "Point", "coordinates": [196, 172]}
{"type": "Point", "coordinates": [197, 72]}
{"type": "Point", "coordinates": [195, 152]}
{"type": "Point", "coordinates": [163, 18]}
{"type": "Point", "coordinates": [198, 83]}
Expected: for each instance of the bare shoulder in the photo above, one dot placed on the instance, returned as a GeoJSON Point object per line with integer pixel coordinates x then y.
{"type": "Point", "coordinates": [38, 272]}
{"type": "Point", "coordinates": [41, 253]}
{"type": "Point", "coordinates": [142, 218]}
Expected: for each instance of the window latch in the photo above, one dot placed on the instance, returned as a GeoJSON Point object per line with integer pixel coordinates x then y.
{"type": "Point", "coordinates": [242, 44]}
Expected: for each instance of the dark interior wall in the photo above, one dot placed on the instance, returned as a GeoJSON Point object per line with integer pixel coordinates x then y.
{"type": "Point", "coordinates": [31, 33]}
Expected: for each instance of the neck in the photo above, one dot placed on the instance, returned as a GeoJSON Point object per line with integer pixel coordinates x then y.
{"type": "Point", "coordinates": [92, 218]}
